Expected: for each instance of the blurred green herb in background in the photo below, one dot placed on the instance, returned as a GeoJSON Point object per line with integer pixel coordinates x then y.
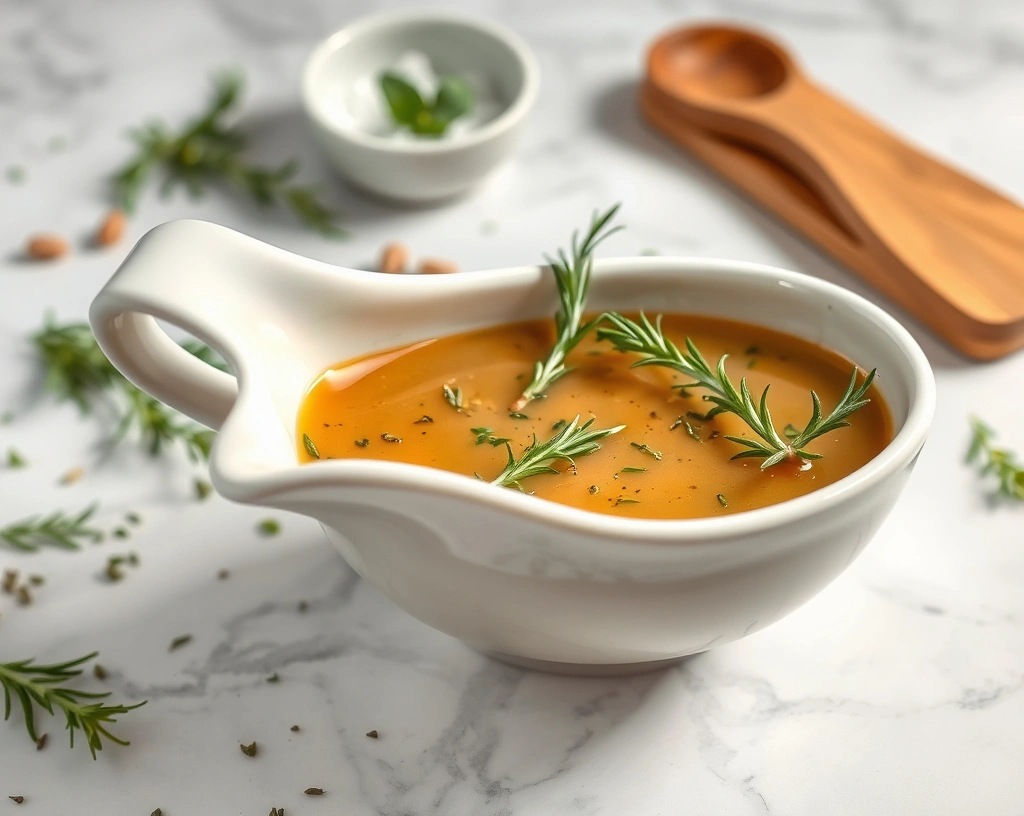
{"type": "Point", "coordinates": [209, 152]}
{"type": "Point", "coordinates": [454, 98]}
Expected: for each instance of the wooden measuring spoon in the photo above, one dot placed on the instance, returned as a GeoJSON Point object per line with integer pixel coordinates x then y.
{"type": "Point", "coordinates": [947, 248]}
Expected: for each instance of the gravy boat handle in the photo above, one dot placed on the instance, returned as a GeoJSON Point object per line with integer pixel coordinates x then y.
{"type": "Point", "coordinates": [186, 273]}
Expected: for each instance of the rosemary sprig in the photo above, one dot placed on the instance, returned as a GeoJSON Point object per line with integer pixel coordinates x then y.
{"type": "Point", "coordinates": [37, 685]}
{"type": "Point", "coordinates": [210, 151]}
{"type": "Point", "coordinates": [59, 529]}
{"type": "Point", "coordinates": [571, 441]}
{"type": "Point", "coordinates": [572, 277]}
{"type": "Point", "coordinates": [647, 339]}
{"type": "Point", "coordinates": [76, 369]}
{"type": "Point", "coordinates": [1001, 462]}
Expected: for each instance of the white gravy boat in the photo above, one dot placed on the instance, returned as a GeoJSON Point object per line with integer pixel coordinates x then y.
{"type": "Point", "coordinates": [527, 580]}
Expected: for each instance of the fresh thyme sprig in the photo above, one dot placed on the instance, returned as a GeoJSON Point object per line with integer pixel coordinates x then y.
{"type": "Point", "coordinates": [647, 339]}
{"type": "Point", "coordinates": [59, 529]}
{"type": "Point", "coordinates": [37, 685]}
{"type": "Point", "coordinates": [77, 369]}
{"type": "Point", "coordinates": [572, 277]}
{"type": "Point", "coordinates": [999, 461]}
{"type": "Point", "coordinates": [571, 441]}
{"type": "Point", "coordinates": [210, 151]}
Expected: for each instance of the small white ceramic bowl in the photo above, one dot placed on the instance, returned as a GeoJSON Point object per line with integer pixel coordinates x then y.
{"type": "Point", "coordinates": [535, 582]}
{"type": "Point", "coordinates": [422, 169]}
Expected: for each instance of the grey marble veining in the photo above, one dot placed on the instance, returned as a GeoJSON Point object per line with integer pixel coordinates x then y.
{"type": "Point", "coordinates": [900, 689]}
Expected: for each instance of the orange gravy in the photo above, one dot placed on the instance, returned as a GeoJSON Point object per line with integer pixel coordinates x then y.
{"type": "Point", "coordinates": [353, 409]}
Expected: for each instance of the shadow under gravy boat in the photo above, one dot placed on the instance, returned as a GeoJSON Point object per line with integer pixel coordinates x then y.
{"type": "Point", "coordinates": [527, 580]}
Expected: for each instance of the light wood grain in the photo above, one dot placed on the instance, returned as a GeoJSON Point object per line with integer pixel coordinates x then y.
{"type": "Point", "coordinates": [944, 246]}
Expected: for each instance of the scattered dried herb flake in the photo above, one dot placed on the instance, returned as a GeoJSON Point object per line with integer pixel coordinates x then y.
{"type": "Point", "coordinates": [15, 459]}
{"type": "Point", "coordinates": [179, 641]}
{"type": "Point", "coordinates": [646, 449]}
{"type": "Point", "coordinates": [314, 791]}
{"type": "Point", "coordinates": [249, 750]}
{"type": "Point", "coordinates": [269, 527]}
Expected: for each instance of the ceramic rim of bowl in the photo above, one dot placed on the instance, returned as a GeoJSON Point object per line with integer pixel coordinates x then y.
{"type": "Point", "coordinates": [898, 454]}
{"type": "Point", "coordinates": [509, 116]}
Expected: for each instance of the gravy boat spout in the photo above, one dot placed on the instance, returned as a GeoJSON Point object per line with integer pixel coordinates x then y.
{"type": "Point", "coordinates": [528, 580]}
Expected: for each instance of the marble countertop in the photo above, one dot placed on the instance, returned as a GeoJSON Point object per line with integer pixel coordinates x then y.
{"type": "Point", "coordinates": [899, 689]}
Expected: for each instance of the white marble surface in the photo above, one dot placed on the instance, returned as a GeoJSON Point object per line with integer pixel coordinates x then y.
{"type": "Point", "coordinates": [900, 689]}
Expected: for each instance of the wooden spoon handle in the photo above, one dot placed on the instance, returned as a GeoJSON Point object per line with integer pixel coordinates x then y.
{"type": "Point", "coordinates": [925, 225]}
{"type": "Point", "coordinates": [964, 239]}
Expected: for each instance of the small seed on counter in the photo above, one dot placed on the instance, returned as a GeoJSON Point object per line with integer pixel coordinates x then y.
{"type": "Point", "coordinates": [72, 476]}
{"type": "Point", "coordinates": [46, 247]}
{"type": "Point", "coordinates": [436, 266]}
{"type": "Point", "coordinates": [394, 258]}
{"type": "Point", "coordinates": [111, 228]}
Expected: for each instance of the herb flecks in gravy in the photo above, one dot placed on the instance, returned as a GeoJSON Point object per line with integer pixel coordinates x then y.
{"type": "Point", "coordinates": [388, 392]}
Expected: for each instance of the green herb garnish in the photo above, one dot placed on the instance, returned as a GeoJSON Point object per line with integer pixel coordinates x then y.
{"type": "Point", "coordinates": [38, 685]}
{"type": "Point", "coordinates": [487, 435]}
{"type": "Point", "coordinates": [1000, 462]}
{"type": "Point", "coordinates": [208, 152]}
{"type": "Point", "coordinates": [57, 529]}
{"type": "Point", "coordinates": [517, 415]}
{"type": "Point", "coordinates": [621, 500]}
{"type": "Point", "coordinates": [310, 447]}
{"type": "Point", "coordinates": [423, 420]}
{"type": "Point", "coordinates": [362, 443]}
{"type": "Point", "coordinates": [454, 98]}
{"type": "Point", "coordinates": [647, 339]}
{"type": "Point", "coordinates": [453, 396]}
{"type": "Point", "coordinates": [645, 449]}
{"type": "Point", "coordinates": [572, 441]}
{"type": "Point", "coordinates": [722, 501]}
{"type": "Point", "coordinates": [179, 641]}
{"type": "Point", "coordinates": [572, 278]}
{"type": "Point", "coordinates": [389, 438]}
{"type": "Point", "coordinates": [633, 470]}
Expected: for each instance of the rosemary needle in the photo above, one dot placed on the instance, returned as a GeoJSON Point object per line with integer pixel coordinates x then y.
{"type": "Point", "coordinates": [571, 441]}
{"type": "Point", "coordinates": [648, 340]}
{"type": "Point", "coordinates": [572, 277]}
